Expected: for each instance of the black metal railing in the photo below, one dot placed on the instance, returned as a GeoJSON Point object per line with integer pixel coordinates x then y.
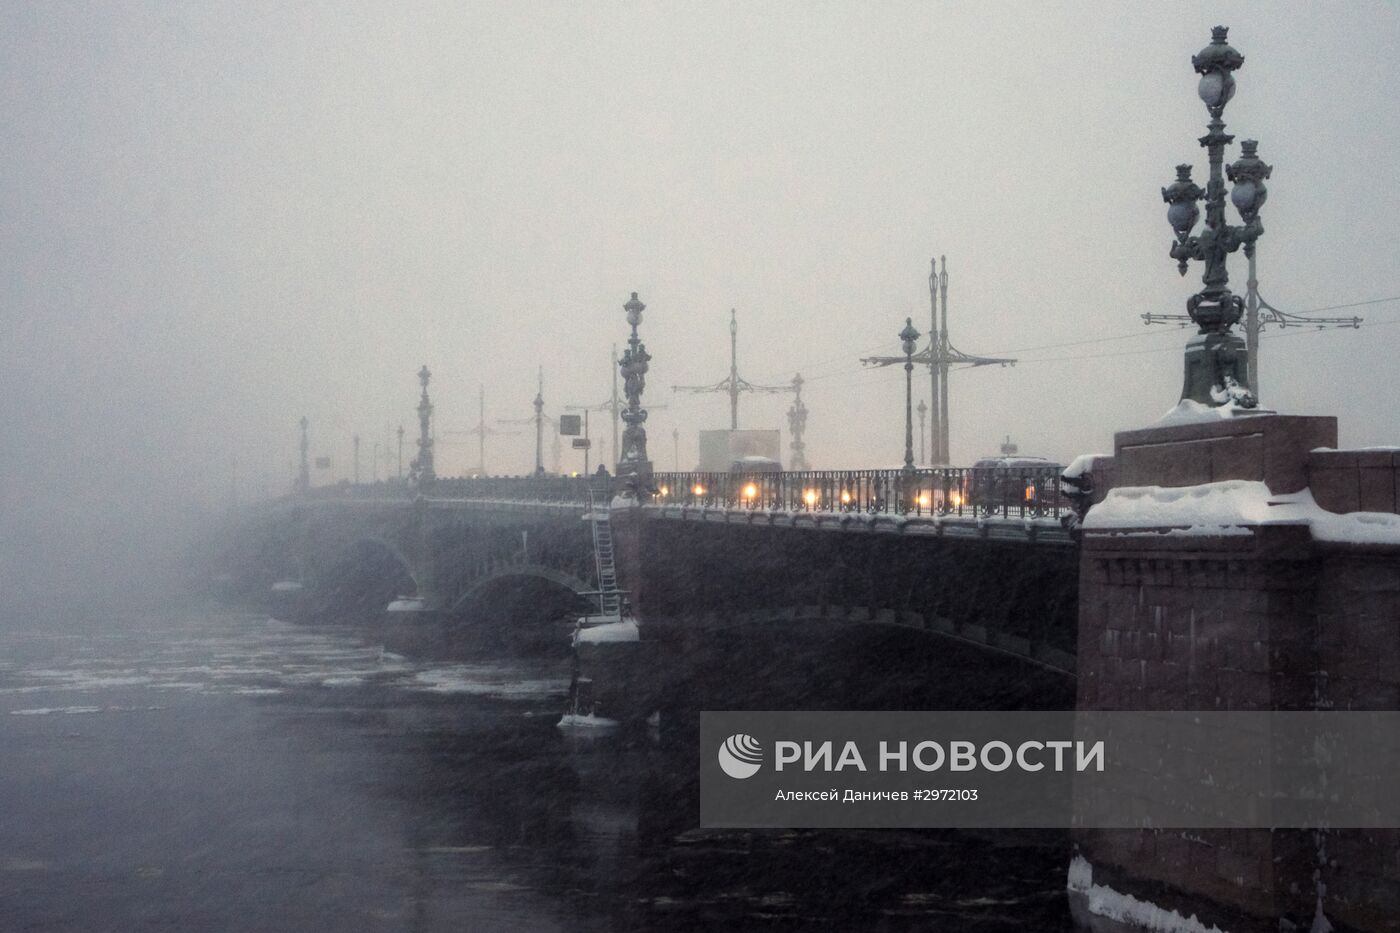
{"type": "Point", "coordinates": [974, 492]}
{"type": "Point", "coordinates": [994, 492]}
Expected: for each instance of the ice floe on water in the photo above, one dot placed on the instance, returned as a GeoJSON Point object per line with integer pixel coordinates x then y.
{"type": "Point", "coordinates": [70, 710]}
{"type": "Point", "coordinates": [237, 657]}
{"type": "Point", "coordinates": [486, 680]}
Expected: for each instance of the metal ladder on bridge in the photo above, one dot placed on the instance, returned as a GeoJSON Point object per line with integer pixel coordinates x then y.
{"type": "Point", "coordinates": [609, 597]}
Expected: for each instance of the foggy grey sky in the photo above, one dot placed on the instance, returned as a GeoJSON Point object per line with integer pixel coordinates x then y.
{"type": "Point", "coordinates": [218, 217]}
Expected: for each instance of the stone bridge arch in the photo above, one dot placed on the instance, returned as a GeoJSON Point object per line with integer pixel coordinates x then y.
{"type": "Point", "coordinates": [347, 554]}
{"type": "Point", "coordinates": [356, 580]}
{"type": "Point", "coordinates": [471, 593]}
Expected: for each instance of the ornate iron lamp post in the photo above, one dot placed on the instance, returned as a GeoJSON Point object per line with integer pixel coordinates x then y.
{"type": "Point", "coordinates": [797, 427]}
{"type": "Point", "coordinates": [1217, 360]}
{"type": "Point", "coordinates": [421, 470]}
{"type": "Point", "coordinates": [633, 461]}
{"type": "Point", "coordinates": [539, 425]}
{"type": "Point", "coordinates": [908, 338]}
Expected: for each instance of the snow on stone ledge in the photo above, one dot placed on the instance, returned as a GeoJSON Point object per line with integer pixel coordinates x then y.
{"type": "Point", "coordinates": [1220, 508]}
{"type": "Point", "coordinates": [1124, 908]}
{"type": "Point", "coordinates": [1081, 464]}
{"type": "Point", "coordinates": [626, 630]}
{"type": "Point", "coordinates": [1188, 411]}
{"type": "Point", "coordinates": [1233, 502]}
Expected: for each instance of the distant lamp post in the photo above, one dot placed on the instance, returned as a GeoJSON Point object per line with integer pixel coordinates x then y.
{"type": "Point", "coordinates": [676, 440]}
{"type": "Point", "coordinates": [1217, 360]}
{"type": "Point", "coordinates": [923, 413]}
{"type": "Point", "coordinates": [421, 469]}
{"type": "Point", "coordinates": [633, 462]}
{"type": "Point", "coordinates": [303, 484]}
{"type": "Point", "coordinates": [539, 425]}
{"type": "Point", "coordinates": [797, 427]}
{"type": "Point", "coordinates": [908, 338]}
{"type": "Point", "coordinates": [400, 451]}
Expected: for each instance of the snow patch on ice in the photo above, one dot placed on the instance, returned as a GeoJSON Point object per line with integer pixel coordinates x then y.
{"type": "Point", "coordinates": [590, 721]}
{"type": "Point", "coordinates": [469, 679]}
{"type": "Point", "coordinates": [1124, 908]}
{"type": "Point", "coordinates": [623, 631]}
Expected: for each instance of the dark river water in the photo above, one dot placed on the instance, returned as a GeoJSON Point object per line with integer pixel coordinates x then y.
{"type": "Point", "coordinates": [211, 772]}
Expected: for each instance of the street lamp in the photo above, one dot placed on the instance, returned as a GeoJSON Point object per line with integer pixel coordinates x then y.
{"type": "Point", "coordinates": [1217, 360]}
{"type": "Point", "coordinates": [633, 461]}
{"type": "Point", "coordinates": [421, 469]}
{"type": "Point", "coordinates": [797, 427]}
{"type": "Point", "coordinates": [908, 337]}
{"type": "Point", "coordinates": [539, 426]}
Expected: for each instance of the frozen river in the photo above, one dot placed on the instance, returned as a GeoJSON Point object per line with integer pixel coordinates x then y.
{"type": "Point", "coordinates": [229, 772]}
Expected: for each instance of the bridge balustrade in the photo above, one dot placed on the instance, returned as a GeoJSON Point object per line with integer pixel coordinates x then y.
{"type": "Point", "coordinates": [1014, 493]}
{"type": "Point", "coordinates": [1009, 493]}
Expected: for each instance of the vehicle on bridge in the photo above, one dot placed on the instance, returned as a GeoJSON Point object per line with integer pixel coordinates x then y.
{"type": "Point", "coordinates": [1006, 485]}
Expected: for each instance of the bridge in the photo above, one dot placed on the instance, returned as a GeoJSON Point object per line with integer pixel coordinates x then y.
{"type": "Point", "coordinates": [458, 547]}
{"type": "Point", "coordinates": [1228, 563]}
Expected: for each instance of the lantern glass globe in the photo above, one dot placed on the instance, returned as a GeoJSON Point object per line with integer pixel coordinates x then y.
{"type": "Point", "coordinates": [1216, 88]}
